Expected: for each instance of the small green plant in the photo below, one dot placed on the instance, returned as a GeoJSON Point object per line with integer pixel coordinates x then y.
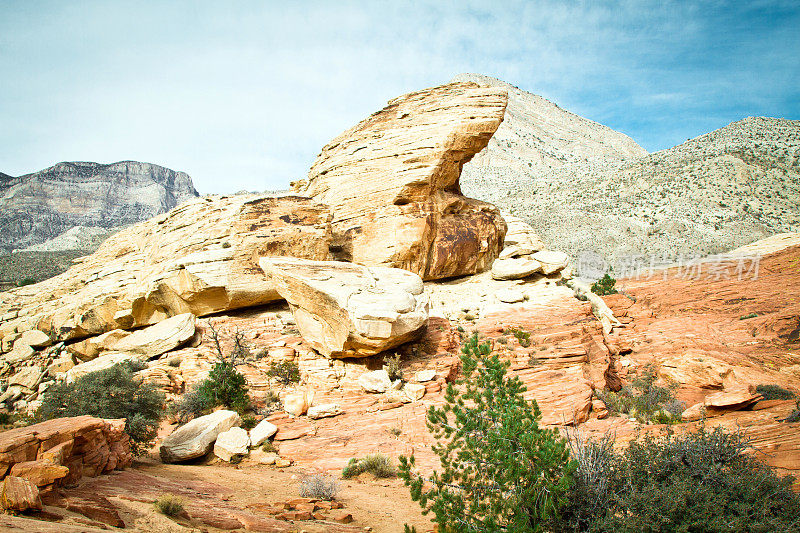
{"type": "Point", "coordinates": [501, 471]}
{"type": "Point", "coordinates": [284, 372]}
{"type": "Point", "coordinates": [502, 339]}
{"type": "Point", "coordinates": [169, 505]}
{"type": "Point", "coordinates": [644, 400]}
{"type": "Point", "coordinates": [111, 393]}
{"type": "Point", "coordinates": [605, 285]}
{"type": "Point", "coordinates": [25, 282]}
{"type": "Point", "coordinates": [749, 315]}
{"type": "Point", "coordinates": [392, 366]}
{"type": "Point", "coordinates": [249, 422]}
{"type": "Point", "coordinates": [395, 431]}
{"type": "Point", "coordinates": [376, 464]}
{"type": "Point", "coordinates": [5, 418]}
{"type": "Point", "coordinates": [523, 337]}
{"type": "Point", "coordinates": [775, 392]}
{"type": "Point", "coordinates": [268, 447]}
{"type": "Point", "coordinates": [319, 487]}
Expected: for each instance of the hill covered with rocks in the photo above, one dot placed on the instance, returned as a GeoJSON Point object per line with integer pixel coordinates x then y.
{"type": "Point", "coordinates": [588, 188]}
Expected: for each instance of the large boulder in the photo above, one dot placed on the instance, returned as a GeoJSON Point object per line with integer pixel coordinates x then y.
{"type": "Point", "coordinates": [199, 258]}
{"type": "Point", "coordinates": [347, 310]}
{"type": "Point", "coordinates": [196, 438]}
{"type": "Point", "coordinates": [18, 495]}
{"type": "Point", "coordinates": [230, 443]}
{"type": "Point", "coordinates": [392, 183]}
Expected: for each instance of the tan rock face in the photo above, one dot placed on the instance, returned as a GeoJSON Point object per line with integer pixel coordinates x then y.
{"type": "Point", "coordinates": [392, 183]}
{"type": "Point", "coordinates": [347, 310]}
{"type": "Point", "coordinates": [64, 448]}
{"type": "Point", "coordinates": [199, 258]}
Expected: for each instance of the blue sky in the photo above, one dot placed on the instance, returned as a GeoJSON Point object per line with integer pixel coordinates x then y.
{"type": "Point", "coordinates": [243, 94]}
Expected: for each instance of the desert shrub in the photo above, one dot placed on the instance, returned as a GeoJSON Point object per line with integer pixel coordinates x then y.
{"type": "Point", "coordinates": [590, 495]}
{"type": "Point", "coordinates": [25, 282]}
{"type": "Point", "coordinates": [774, 392]}
{"type": "Point", "coordinates": [191, 405]}
{"type": "Point", "coordinates": [319, 487]}
{"type": "Point", "coordinates": [747, 316]}
{"type": "Point", "coordinates": [249, 422]}
{"type": "Point", "coordinates": [269, 447]}
{"type": "Point", "coordinates": [392, 367]}
{"type": "Point", "coordinates": [110, 393]}
{"type": "Point", "coordinates": [523, 337]}
{"type": "Point", "coordinates": [285, 372]}
{"type": "Point", "coordinates": [376, 464]}
{"type": "Point", "coordinates": [605, 285]}
{"type": "Point", "coordinates": [700, 481]}
{"type": "Point", "coordinates": [501, 471]}
{"type": "Point", "coordinates": [644, 400]}
{"type": "Point", "coordinates": [225, 386]}
{"type": "Point", "coordinates": [5, 418]}
{"type": "Point", "coordinates": [169, 505]}
{"type": "Point", "coordinates": [794, 416]}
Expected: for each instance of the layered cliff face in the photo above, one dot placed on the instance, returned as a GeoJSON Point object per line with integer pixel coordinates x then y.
{"type": "Point", "coordinates": [40, 206]}
{"type": "Point", "coordinates": [392, 182]}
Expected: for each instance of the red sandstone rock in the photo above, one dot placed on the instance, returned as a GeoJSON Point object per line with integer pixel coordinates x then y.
{"type": "Point", "coordinates": [19, 495]}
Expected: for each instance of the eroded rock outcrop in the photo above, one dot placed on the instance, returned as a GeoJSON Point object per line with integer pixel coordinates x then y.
{"type": "Point", "coordinates": [347, 310]}
{"type": "Point", "coordinates": [199, 258]}
{"type": "Point", "coordinates": [392, 183]}
{"type": "Point", "coordinates": [64, 449]}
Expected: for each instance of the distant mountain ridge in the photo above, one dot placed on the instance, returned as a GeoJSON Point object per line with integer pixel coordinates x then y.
{"type": "Point", "coordinates": [40, 206]}
{"type": "Point", "coordinates": [587, 188]}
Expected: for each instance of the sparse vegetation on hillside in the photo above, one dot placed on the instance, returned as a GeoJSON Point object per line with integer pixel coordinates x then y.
{"type": "Point", "coordinates": [285, 372]}
{"type": "Point", "coordinates": [643, 400]}
{"type": "Point", "coordinates": [605, 285]}
{"type": "Point", "coordinates": [111, 393]}
{"type": "Point", "coordinates": [500, 470]}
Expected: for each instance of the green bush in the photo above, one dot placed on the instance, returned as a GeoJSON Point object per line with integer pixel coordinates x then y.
{"type": "Point", "coordinates": [702, 481]}
{"type": "Point", "coordinates": [501, 471]}
{"type": "Point", "coordinates": [523, 337]}
{"type": "Point", "coordinates": [774, 392]}
{"type": "Point", "coordinates": [644, 400]}
{"type": "Point", "coordinates": [285, 372]}
{"type": "Point", "coordinates": [605, 286]}
{"type": "Point", "coordinates": [110, 393]}
{"type": "Point", "coordinates": [224, 385]}
{"type": "Point", "coordinates": [376, 464]}
{"type": "Point", "coordinates": [169, 505]}
{"type": "Point", "coordinates": [25, 282]}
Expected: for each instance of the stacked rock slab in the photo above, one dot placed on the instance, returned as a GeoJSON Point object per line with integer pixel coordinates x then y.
{"type": "Point", "coordinates": [199, 258]}
{"type": "Point", "coordinates": [392, 184]}
{"type": "Point", "coordinates": [64, 450]}
{"type": "Point", "coordinates": [348, 310]}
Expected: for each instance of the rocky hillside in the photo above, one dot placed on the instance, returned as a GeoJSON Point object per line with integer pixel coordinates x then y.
{"type": "Point", "coordinates": [40, 206]}
{"type": "Point", "coordinates": [718, 191]}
